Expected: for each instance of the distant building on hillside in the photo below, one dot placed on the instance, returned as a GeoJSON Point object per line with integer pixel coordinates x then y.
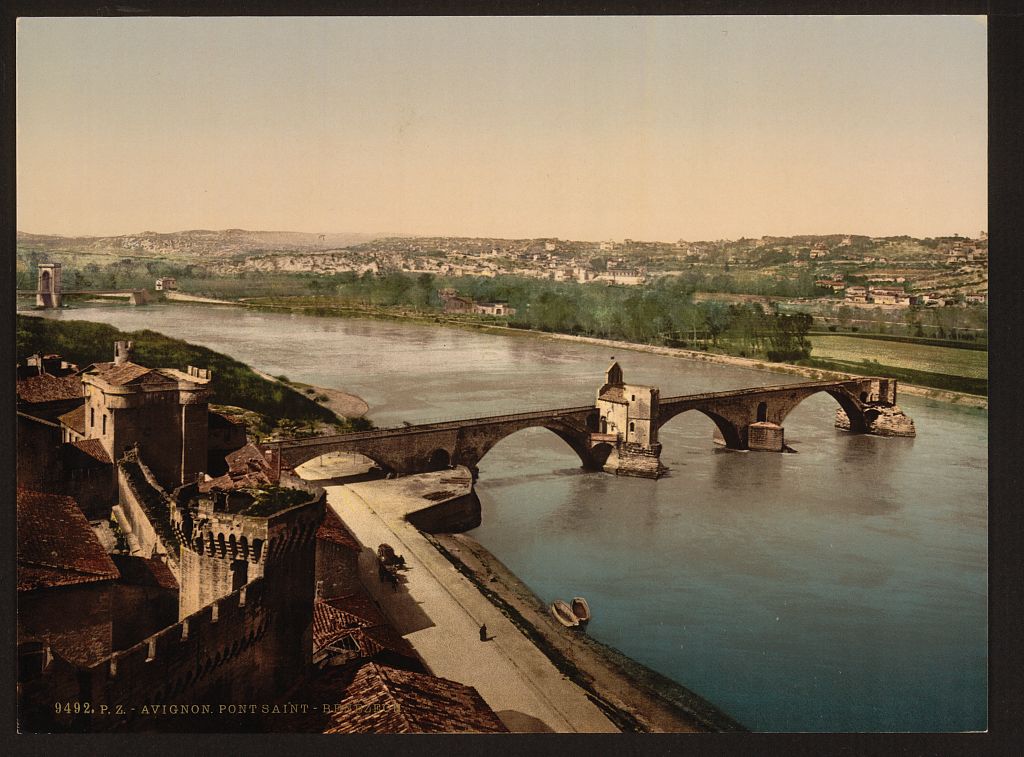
{"type": "Point", "coordinates": [166, 284]}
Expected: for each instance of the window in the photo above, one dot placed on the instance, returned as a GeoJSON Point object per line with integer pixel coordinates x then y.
{"type": "Point", "coordinates": [92, 417]}
{"type": "Point", "coordinates": [632, 426]}
{"type": "Point", "coordinates": [632, 398]}
{"type": "Point", "coordinates": [104, 424]}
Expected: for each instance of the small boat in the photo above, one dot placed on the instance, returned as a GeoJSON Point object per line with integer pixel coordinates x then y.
{"type": "Point", "coordinates": [563, 614]}
{"type": "Point", "coordinates": [581, 609]}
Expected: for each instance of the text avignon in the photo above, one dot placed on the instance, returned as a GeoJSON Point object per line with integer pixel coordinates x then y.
{"type": "Point", "coordinates": [223, 709]}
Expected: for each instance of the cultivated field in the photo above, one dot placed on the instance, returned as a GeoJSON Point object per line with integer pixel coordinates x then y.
{"type": "Point", "coordinates": [945, 360]}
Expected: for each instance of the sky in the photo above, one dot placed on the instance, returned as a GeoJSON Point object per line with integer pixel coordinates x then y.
{"type": "Point", "coordinates": [649, 128]}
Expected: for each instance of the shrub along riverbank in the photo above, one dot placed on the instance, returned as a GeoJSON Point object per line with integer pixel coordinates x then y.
{"type": "Point", "coordinates": [233, 383]}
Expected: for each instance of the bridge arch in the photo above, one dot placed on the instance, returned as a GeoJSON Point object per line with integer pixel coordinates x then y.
{"type": "Point", "coordinates": [439, 459]}
{"type": "Point", "coordinates": [578, 442]}
{"type": "Point", "coordinates": [311, 457]}
{"type": "Point", "coordinates": [729, 430]}
{"type": "Point", "coordinates": [850, 404]}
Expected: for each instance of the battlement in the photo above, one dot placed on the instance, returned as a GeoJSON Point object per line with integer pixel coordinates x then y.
{"type": "Point", "coordinates": [237, 525]}
{"type": "Point", "coordinates": [211, 653]}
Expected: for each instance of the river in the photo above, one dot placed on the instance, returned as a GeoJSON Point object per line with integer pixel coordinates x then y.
{"type": "Point", "coordinates": [842, 588]}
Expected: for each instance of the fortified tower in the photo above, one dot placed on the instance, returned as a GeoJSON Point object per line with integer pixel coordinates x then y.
{"type": "Point", "coordinates": [233, 535]}
{"type": "Point", "coordinates": [163, 411]}
{"type": "Point", "coordinates": [48, 286]}
{"type": "Point", "coordinates": [628, 416]}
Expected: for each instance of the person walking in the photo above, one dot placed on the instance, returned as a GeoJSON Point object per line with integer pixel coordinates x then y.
{"type": "Point", "coordinates": [483, 632]}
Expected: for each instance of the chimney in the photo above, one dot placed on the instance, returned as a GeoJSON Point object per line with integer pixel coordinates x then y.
{"type": "Point", "coordinates": [122, 352]}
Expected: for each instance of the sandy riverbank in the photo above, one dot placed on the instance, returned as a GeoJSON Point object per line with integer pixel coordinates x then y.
{"type": "Point", "coordinates": [340, 402]}
{"type": "Point", "coordinates": [633, 696]}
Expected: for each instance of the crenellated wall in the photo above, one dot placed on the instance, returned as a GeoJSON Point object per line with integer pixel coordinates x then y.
{"type": "Point", "coordinates": [215, 654]}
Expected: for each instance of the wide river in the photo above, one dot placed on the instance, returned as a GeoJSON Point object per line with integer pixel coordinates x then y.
{"type": "Point", "coordinates": [842, 588]}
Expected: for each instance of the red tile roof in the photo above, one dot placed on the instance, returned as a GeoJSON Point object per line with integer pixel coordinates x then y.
{"type": "Point", "coordinates": [359, 605]}
{"type": "Point", "coordinates": [332, 625]}
{"type": "Point", "coordinates": [56, 544]}
{"type": "Point", "coordinates": [333, 530]}
{"type": "Point", "coordinates": [94, 449]}
{"type": "Point", "coordinates": [47, 388]}
{"type": "Point", "coordinates": [247, 458]}
{"type": "Point", "coordinates": [127, 373]}
{"type": "Point", "coordinates": [75, 419]}
{"type": "Point", "coordinates": [381, 699]}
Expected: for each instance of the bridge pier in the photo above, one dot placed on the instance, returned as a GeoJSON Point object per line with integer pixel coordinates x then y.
{"type": "Point", "coordinates": [48, 286]}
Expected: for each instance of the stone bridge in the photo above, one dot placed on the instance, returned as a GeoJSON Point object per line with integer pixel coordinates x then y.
{"type": "Point", "coordinates": [745, 419]}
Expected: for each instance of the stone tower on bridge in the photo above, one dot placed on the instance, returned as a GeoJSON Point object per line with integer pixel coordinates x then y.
{"type": "Point", "coordinates": [48, 286]}
{"type": "Point", "coordinates": [628, 423]}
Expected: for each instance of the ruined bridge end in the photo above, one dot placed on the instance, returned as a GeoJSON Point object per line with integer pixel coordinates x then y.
{"type": "Point", "coordinates": [753, 418]}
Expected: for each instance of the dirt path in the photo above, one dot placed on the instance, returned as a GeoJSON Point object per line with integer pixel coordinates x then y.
{"type": "Point", "coordinates": [633, 696]}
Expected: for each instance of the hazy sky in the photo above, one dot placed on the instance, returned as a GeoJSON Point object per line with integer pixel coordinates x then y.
{"type": "Point", "coordinates": [580, 128]}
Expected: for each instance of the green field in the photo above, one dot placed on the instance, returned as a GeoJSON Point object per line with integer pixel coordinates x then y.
{"type": "Point", "coordinates": [945, 360]}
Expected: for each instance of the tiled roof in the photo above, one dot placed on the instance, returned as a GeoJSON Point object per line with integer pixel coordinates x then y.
{"type": "Point", "coordinates": [333, 530]}
{"type": "Point", "coordinates": [56, 544]}
{"type": "Point", "coordinates": [141, 571]}
{"type": "Point", "coordinates": [246, 458]}
{"type": "Point", "coordinates": [253, 480]}
{"type": "Point", "coordinates": [126, 373]}
{"type": "Point", "coordinates": [47, 388]}
{"type": "Point", "coordinates": [359, 605]}
{"type": "Point", "coordinates": [614, 394]}
{"type": "Point", "coordinates": [246, 468]}
{"type": "Point", "coordinates": [331, 625]}
{"type": "Point", "coordinates": [381, 699]}
{"type": "Point", "coordinates": [75, 419]}
{"type": "Point", "coordinates": [94, 449]}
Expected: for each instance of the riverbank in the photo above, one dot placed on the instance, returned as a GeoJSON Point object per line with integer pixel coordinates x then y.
{"type": "Point", "coordinates": [636, 698]}
{"type": "Point", "coordinates": [940, 395]}
{"type": "Point", "coordinates": [338, 401]}
{"type": "Point", "coordinates": [440, 612]}
{"type": "Point", "coordinates": [537, 675]}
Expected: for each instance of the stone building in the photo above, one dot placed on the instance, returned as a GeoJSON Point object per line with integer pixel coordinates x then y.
{"type": "Point", "coordinates": [65, 580]}
{"type": "Point", "coordinates": [453, 302]}
{"type": "Point", "coordinates": [337, 558]}
{"type": "Point", "coordinates": [162, 411]}
{"type": "Point", "coordinates": [628, 422]}
{"type": "Point", "coordinates": [233, 534]}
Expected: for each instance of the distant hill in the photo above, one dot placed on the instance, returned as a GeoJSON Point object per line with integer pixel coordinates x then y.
{"type": "Point", "coordinates": [198, 244]}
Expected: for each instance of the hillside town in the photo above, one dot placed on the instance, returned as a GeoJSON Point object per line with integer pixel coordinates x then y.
{"type": "Point", "coordinates": [858, 270]}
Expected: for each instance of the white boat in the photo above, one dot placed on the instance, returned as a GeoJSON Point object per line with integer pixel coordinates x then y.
{"type": "Point", "coordinates": [561, 611]}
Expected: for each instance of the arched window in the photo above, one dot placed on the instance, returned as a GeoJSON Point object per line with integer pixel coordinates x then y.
{"type": "Point", "coordinates": [632, 426]}
{"type": "Point", "coordinates": [762, 412]}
